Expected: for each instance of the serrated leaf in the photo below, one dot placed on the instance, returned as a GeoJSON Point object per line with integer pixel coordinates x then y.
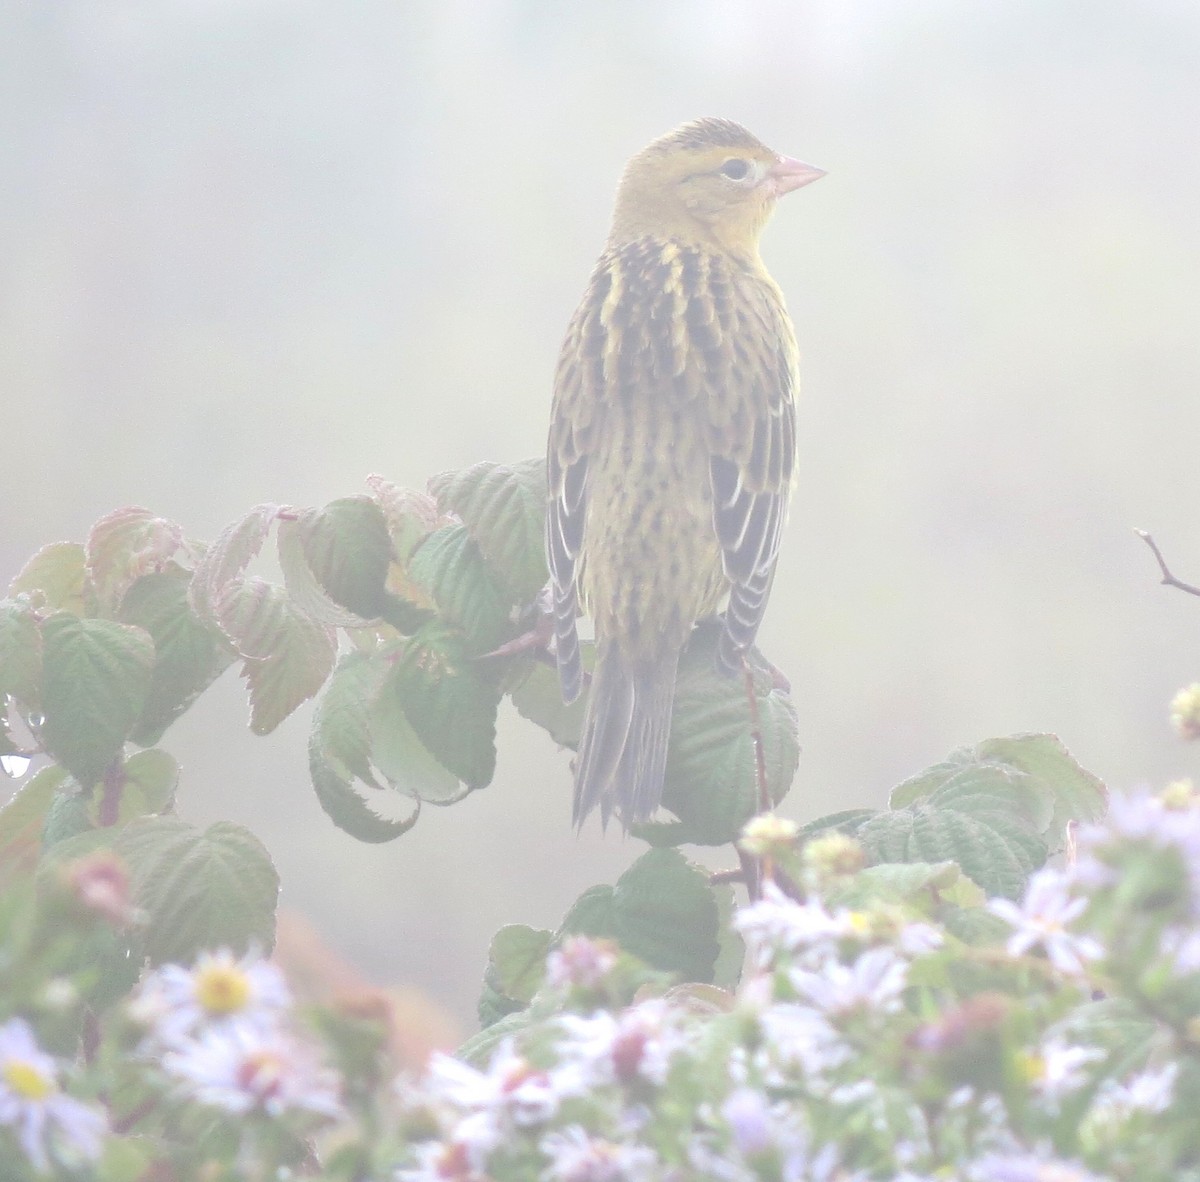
{"type": "Point", "coordinates": [189, 654]}
{"type": "Point", "coordinates": [96, 675]}
{"type": "Point", "coordinates": [450, 566]}
{"type": "Point", "coordinates": [339, 751]}
{"type": "Point", "coordinates": [22, 820]}
{"type": "Point", "coordinates": [199, 889]}
{"type": "Point", "coordinates": [974, 925]}
{"type": "Point", "coordinates": [478, 1049]}
{"type": "Point", "coordinates": [493, 1007]}
{"type": "Point", "coordinates": [68, 818]}
{"type": "Point", "coordinates": [451, 705]}
{"type": "Point", "coordinates": [20, 654]}
{"type": "Point", "coordinates": [56, 576]}
{"type": "Point", "coordinates": [287, 655]}
{"type": "Point", "coordinates": [591, 914]}
{"type": "Point", "coordinates": [712, 777]}
{"type": "Point", "coordinates": [666, 914]}
{"type": "Point", "coordinates": [1031, 773]}
{"type": "Point", "coordinates": [410, 515]}
{"type": "Point", "coordinates": [517, 959]}
{"type": "Point", "coordinates": [303, 587]}
{"type": "Point", "coordinates": [918, 883]}
{"type": "Point", "coordinates": [124, 545]}
{"type": "Point", "coordinates": [341, 726]}
{"type": "Point", "coordinates": [347, 808]}
{"type": "Point", "coordinates": [732, 948]}
{"type": "Point", "coordinates": [504, 509]}
{"type": "Point", "coordinates": [150, 780]}
{"type": "Point", "coordinates": [998, 852]}
{"type": "Point", "coordinates": [848, 821]}
{"type": "Point", "coordinates": [126, 1159]}
{"type": "Point", "coordinates": [402, 758]}
{"type": "Point", "coordinates": [225, 561]}
{"type": "Point", "coordinates": [1074, 793]}
{"type": "Point", "coordinates": [349, 550]}
{"type": "Point", "coordinates": [538, 697]}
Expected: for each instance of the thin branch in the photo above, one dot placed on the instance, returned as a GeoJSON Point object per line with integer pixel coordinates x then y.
{"type": "Point", "coordinates": [1168, 579]}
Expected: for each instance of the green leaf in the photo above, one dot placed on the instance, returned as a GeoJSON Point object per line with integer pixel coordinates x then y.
{"type": "Point", "coordinates": [402, 758]}
{"type": "Point", "coordinates": [666, 914]}
{"type": "Point", "coordinates": [1034, 774]}
{"type": "Point", "coordinates": [1070, 792]}
{"type": "Point", "coordinates": [449, 565]}
{"type": "Point", "coordinates": [451, 705]}
{"type": "Point", "coordinates": [348, 548]}
{"type": "Point", "coordinates": [504, 509]}
{"type": "Point", "coordinates": [517, 961]}
{"type": "Point", "coordinates": [20, 654]}
{"type": "Point", "coordinates": [56, 577]}
{"type": "Point", "coordinates": [287, 655]}
{"type": "Point", "coordinates": [126, 1159]}
{"type": "Point", "coordinates": [848, 821]}
{"type": "Point", "coordinates": [998, 851]}
{"type": "Point", "coordinates": [22, 820]}
{"type": "Point", "coordinates": [69, 816]}
{"type": "Point", "coordinates": [478, 1049]}
{"type": "Point", "coordinates": [712, 780]}
{"type": "Point", "coordinates": [97, 674]}
{"type": "Point", "coordinates": [189, 654]}
{"type": "Point", "coordinates": [150, 780]}
{"type": "Point", "coordinates": [303, 587]}
{"type": "Point", "coordinates": [998, 809]}
{"type": "Point", "coordinates": [732, 949]}
{"type": "Point", "coordinates": [341, 728]}
{"type": "Point", "coordinates": [336, 562]}
{"type": "Point", "coordinates": [348, 809]}
{"type": "Point", "coordinates": [974, 925]}
{"type": "Point", "coordinates": [538, 697]}
{"type": "Point", "coordinates": [123, 546]}
{"type": "Point", "coordinates": [339, 751]}
{"type": "Point", "coordinates": [592, 914]}
{"type": "Point", "coordinates": [921, 884]}
{"type": "Point", "coordinates": [199, 889]}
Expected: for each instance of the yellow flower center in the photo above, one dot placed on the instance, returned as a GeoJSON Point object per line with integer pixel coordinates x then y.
{"type": "Point", "coordinates": [1031, 1067]}
{"type": "Point", "coordinates": [222, 989]}
{"type": "Point", "coordinates": [27, 1081]}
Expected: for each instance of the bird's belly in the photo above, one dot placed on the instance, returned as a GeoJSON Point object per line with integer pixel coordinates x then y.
{"type": "Point", "coordinates": [651, 563]}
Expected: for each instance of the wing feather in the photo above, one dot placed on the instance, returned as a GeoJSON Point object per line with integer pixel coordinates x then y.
{"type": "Point", "coordinates": [751, 431]}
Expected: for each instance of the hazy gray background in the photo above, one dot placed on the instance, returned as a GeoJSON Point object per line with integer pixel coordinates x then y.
{"type": "Point", "coordinates": [256, 250]}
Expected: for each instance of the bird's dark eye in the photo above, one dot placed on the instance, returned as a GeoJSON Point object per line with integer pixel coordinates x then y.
{"type": "Point", "coordinates": [736, 169]}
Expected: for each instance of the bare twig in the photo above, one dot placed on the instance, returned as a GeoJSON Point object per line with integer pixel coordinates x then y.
{"type": "Point", "coordinates": [1168, 579]}
{"type": "Point", "coordinates": [716, 877]}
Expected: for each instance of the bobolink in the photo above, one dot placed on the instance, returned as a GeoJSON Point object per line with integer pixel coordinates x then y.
{"type": "Point", "coordinates": [671, 445]}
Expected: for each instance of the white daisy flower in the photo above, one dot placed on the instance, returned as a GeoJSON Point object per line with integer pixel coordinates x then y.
{"type": "Point", "coordinates": [575, 1156]}
{"type": "Point", "coordinates": [219, 990]}
{"type": "Point", "coordinates": [242, 1069]}
{"type": "Point", "coordinates": [1042, 921]}
{"type": "Point", "coordinates": [34, 1107]}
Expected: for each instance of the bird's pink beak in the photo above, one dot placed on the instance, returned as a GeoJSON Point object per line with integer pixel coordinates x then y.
{"type": "Point", "coordinates": [788, 174]}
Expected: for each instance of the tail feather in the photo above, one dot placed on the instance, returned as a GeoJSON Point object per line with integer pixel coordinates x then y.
{"type": "Point", "coordinates": [623, 752]}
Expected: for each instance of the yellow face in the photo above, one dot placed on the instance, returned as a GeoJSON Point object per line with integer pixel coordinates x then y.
{"type": "Point", "coordinates": [710, 181]}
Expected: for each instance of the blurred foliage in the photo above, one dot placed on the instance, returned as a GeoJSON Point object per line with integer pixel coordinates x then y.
{"type": "Point", "coordinates": [256, 250]}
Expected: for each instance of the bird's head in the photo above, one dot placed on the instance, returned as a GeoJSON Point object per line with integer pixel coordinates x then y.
{"type": "Point", "coordinates": [709, 182]}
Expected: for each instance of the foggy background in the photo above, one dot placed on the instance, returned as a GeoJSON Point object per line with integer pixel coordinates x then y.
{"type": "Point", "coordinates": [256, 250]}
